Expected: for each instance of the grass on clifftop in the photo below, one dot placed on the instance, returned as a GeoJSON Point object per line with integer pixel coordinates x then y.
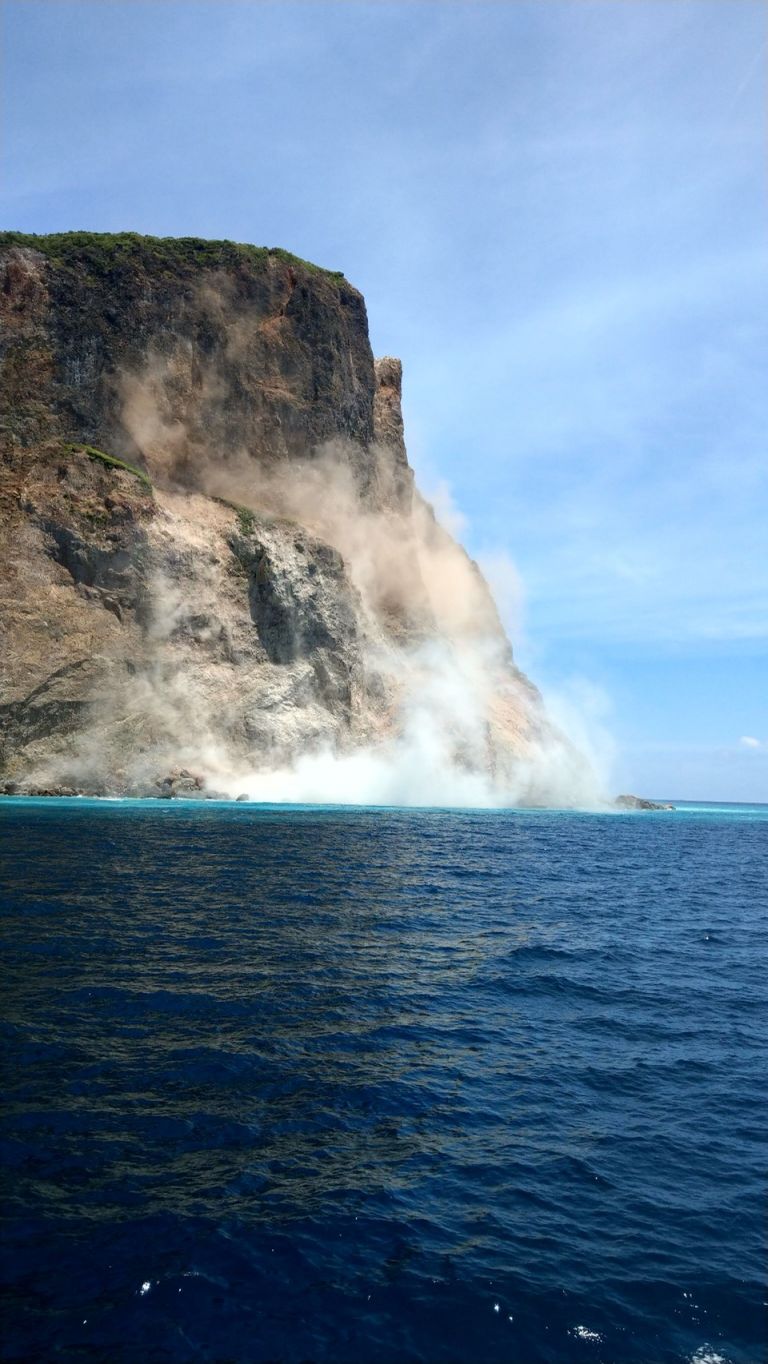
{"type": "Point", "coordinates": [110, 460]}
{"type": "Point", "coordinates": [100, 252]}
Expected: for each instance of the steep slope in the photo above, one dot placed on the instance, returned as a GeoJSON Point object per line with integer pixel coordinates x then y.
{"type": "Point", "coordinates": [213, 557]}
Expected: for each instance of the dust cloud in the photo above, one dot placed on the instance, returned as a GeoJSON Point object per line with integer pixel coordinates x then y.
{"type": "Point", "coordinates": [453, 722]}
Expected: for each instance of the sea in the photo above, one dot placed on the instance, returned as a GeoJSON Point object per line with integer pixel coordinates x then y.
{"type": "Point", "coordinates": [383, 1086]}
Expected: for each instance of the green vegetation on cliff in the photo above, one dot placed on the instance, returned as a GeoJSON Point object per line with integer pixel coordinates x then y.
{"type": "Point", "coordinates": [101, 252]}
{"type": "Point", "coordinates": [246, 518]}
{"type": "Point", "coordinates": [110, 460]}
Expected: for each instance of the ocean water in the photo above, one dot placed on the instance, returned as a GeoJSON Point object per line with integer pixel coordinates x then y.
{"type": "Point", "coordinates": [351, 1085]}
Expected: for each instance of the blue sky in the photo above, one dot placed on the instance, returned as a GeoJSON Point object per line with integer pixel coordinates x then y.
{"type": "Point", "coordinates": [557, 214]}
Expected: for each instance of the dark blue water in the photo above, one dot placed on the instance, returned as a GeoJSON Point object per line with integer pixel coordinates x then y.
{"type": "Point", "coordinates": [323, 1085]}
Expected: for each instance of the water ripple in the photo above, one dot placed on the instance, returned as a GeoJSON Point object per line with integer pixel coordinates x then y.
{"type": "Point", "coordinates": [337, 1086]}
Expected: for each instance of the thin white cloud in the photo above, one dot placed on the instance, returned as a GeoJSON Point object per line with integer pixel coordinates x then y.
{"type": "Point", "coordinates": [748, 741]}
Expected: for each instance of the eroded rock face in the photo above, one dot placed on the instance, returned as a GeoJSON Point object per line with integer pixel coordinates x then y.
{"type": "Point", "coordinates": [216, 638]}
{"type": "Point", "coordinates": [395, 476]}
{"type": "Point", "coordinates": [165, 353]}
{"type": "Point", "coordinates": [279, 589]}
{"type": "Point", "coordinates": [72, 562]}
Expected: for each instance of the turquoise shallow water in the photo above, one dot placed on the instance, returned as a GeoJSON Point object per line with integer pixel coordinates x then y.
{"type": "Point", "coordinates": [348, 1085]}
{"type": "Point", "coordinates": [727, 811]}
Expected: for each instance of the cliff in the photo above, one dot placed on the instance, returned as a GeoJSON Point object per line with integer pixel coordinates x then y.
{"type": "Point", "coordinates": [213, 558]}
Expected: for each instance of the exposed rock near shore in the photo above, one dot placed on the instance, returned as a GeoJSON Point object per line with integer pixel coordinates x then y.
{"type": "Point", "coordinates": [184, 785]}
{"type": "Point", "coordinates": [213, 558]}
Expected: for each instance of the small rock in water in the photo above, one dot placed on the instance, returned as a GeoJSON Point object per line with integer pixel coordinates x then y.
{"type": "Point", "coordinates": [640, 803]}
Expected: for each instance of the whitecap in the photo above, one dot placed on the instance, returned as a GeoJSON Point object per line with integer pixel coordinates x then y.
{"type": "Point", "coordinates": [584, 1333]}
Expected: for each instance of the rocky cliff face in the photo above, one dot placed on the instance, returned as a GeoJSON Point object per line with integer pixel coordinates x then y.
{"type": "Point", "coordinates": [213, 557]}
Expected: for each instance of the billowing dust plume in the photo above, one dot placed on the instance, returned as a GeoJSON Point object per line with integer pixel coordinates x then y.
{"type": "Point", "coordinates": [441, 717]}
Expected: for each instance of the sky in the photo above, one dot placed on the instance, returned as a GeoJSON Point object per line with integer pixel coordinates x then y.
{"type": "Point", "coordinates": [556, 211]}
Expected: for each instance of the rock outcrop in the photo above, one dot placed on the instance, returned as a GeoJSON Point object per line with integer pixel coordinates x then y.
{"type": "Point", "coordinates": [213, 558]}
{"type": "Point", "coordinates": [627, 802]}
